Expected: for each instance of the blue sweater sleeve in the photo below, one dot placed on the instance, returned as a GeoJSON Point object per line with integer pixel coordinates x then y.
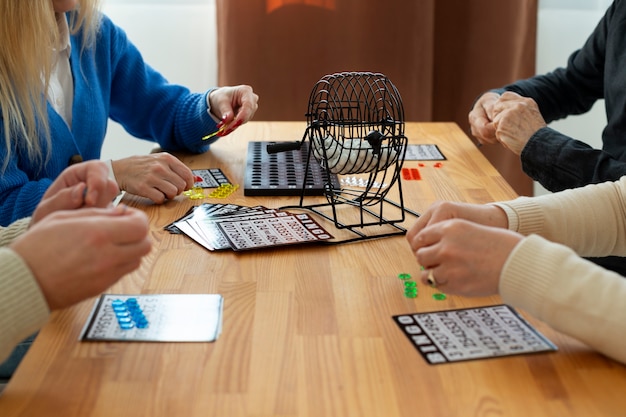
{"type": "Point", "coordinates": [19, 195]}
{"type": "Point", "coordinates": [23, 183]}
{"type": "Point", "coordinates": [146, 104]}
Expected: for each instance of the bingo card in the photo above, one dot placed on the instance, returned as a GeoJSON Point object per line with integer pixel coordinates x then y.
{"type": "Point", "coordinates": [155, 318]}
{"type": "Point", "coordinates": [472, 333]}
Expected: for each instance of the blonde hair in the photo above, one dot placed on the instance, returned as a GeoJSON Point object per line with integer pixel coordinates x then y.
{"type": "Point", "coordinates": [28, 34]}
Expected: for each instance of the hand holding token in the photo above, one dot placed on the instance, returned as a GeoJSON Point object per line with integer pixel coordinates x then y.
{"type": "Point", "coordinates": [79, 253]}
{"type": "Point", "coordinates": [462, 246]}
{"type": "Point", "coordinates": [485, 214]}
{"type": "Point", "coordinates": [464, 258]}
{"type": "Point", "coordinates": [234, 106]}
{"type": "Point", "coordinates": [159, 176]}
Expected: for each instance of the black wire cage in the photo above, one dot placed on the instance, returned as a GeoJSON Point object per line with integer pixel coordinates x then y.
{"type": "Point", "coordinates": [356, 132]}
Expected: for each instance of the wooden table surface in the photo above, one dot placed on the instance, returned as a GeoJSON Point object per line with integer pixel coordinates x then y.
{"type": "Point", "coordinates": [307, 331]}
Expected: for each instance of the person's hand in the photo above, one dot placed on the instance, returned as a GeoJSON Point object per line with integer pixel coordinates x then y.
{"type": "Point", "coordinates": [436, 239]}
{"type": "Point", "coordinates": [234, 106]}
{"type": "Point", "coordinates": [158, 176]}
{"type": "Point", "coordinates": [86, 184]}
{"type": "Point", "coordinates": [481, 118]}
{"type": "Point", "coordinates": [78, 254]}
{"type": "Point", "coordinates": [463, 257]}
{"type": "Point", "coordinates": [516, 119]}
{"type": "Point", "coordinates": [484, 214]}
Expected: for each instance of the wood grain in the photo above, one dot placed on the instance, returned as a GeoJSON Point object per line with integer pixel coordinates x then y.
{"type": "Point", "coordinates": [307, 330]}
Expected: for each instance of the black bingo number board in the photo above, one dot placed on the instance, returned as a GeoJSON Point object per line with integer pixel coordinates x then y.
{"type": "Point", "coordinates": [472, 333]}
{"type": "Point", "coordinates": [282, 174]}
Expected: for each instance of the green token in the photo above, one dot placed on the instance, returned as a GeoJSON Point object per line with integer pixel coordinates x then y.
{"type": "Point", "coordinates": [404, 276]}
{"type": "Point", "coordinates": [410, 284]}
{"type": "Point", "coordinates": [439, 296]}
{"type": "Point", "coordinates": [410, 294]}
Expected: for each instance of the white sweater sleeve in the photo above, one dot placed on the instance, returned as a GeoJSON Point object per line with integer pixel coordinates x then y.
{"type": "Point", "coordinates": [552, 282]}
{"type": "Point", "coordinates": [23, 307]}
{"type": "Point", "coordinates": [591, 220]}
{"type": "Point", "coordinates": [571, 294]}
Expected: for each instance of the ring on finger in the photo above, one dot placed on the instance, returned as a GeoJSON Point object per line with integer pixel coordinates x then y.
{"type": "Point", "coordinates": [431, 279]}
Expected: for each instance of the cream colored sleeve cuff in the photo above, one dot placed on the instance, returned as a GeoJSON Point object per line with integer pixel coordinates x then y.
{"type": "Point", "coordinates": [208, 106]}
{"type": "Point", "coordinates": [119, 197]}
{"type": "Point", "coordinates": [111, 173]}
{"type": "Point", "coordinates": [524, 214]}
{"type": "Point", "coordinates": [13, 231]}
{"type": "Point", "coordinates": [510, 214]}
{"type": "Point", "coordinates": [23, 307]}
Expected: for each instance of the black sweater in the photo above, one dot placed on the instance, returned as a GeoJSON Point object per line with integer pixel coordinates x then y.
{"type": "Point", "coordinates": [596, 71]}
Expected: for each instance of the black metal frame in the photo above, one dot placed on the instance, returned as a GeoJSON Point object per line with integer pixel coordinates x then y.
{"type": "Point", "coordinates": [356, 126]}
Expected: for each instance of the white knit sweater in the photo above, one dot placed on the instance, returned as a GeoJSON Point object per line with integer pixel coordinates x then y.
{"type": "Point", "coordinates": [23, 308]}
{"type": "Point", "coordinates": [552, 282]}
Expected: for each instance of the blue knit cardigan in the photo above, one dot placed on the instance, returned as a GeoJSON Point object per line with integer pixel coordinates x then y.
{"type": "Point", "coordinates": [111, 80]}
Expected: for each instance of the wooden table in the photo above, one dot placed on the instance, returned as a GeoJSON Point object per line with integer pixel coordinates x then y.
{"type": "Point", "coordinates": [308, 331]}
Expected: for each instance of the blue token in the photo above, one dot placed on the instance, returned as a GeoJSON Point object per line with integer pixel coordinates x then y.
{"type": "Point", "coordinates": [127, 326]}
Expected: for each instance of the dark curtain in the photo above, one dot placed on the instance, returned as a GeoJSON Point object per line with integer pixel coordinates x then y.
{"type": "Point", "coordinates": [439, 54]}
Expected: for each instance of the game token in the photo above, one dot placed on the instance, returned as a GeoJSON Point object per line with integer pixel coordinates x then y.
{"type": "Point", "coordinates": [195, 193]}
{"type": "Point", "coordinates": [218, 132]}
{"type": "Point", "coordinates": [224, 190]}
{"type": "Point", "coordinates": [410, 294]}
{"type": "Point", "coordinates": [404, 276]}
{"type": "Point", "coordinates": [439, 296]}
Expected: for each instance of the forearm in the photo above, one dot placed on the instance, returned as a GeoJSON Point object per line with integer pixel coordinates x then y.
{"type": "Point", "coordinates": [560, 93]}
{"type": "Point", "coordinates": [571, 294]}
{"type": "Point", "coordinates": [145, 103]}
{"type": "Point", "coordinates": [590, 220]}
{"type": "Point", "coordinates": [559, 162]}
